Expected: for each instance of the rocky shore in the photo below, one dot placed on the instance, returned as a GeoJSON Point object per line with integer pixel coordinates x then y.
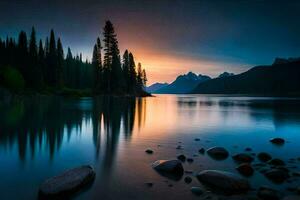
{"type": "Point", "coordinates": [222, 184]}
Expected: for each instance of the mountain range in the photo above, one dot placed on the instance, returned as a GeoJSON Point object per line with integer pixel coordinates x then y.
{"type": "Point", "coordinates": [183, 84]}
{"type": "Point", "coordinates": [280, 78]}
{"type": "Point", "coordinates": [156, 86]}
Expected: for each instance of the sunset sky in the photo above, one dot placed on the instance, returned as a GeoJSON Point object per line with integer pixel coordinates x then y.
{"type": "Point", "coordinates": [169, 37]}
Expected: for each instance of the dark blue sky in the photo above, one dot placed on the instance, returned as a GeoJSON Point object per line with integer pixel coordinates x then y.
{"type": "Point", "coordinates": [169, 36]}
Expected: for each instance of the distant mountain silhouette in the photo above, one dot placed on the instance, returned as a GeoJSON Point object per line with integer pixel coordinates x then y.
{"type": "Point", "coordinates": [280, 78]}
{"type": "Point", "coordinates": [156, 86]}
{"type": "Point", "coordinates": [225, 74]}
{"type": "Point", "coordinates": [183, 84]}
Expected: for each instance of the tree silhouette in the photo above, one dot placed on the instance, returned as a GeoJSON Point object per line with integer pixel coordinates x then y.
{"type": "Point", "coordinates": [45, 67]}
{"type": "Point", "coordinates": [60, 63]}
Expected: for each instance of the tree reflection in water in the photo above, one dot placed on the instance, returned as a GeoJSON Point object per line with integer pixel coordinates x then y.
{"type": "Point", "coordinates": [42, 122]}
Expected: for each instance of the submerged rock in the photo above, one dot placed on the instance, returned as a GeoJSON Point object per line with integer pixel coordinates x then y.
{"type": "Point", "coordinates": [245, 169]}
{"type": "Point", "coordinates": [264, 157]}
{"type": "Point", "coordinates": [196, 190]}
{"type": "Point", "coordinates": [277, 175]}
{"type": "Point", "coordinates": [226, 181]}
{"type": "Point", "coordinates": [218, 153]}
{"type": "Point", "coordinates": [170, 168]}
{"type": "Point", "coordinates": [278, 141]}
{"type": "Point", "coordinates": [248, 149]}
{"type": "Point", "coordinates": [267, 193]}
{"type": "Point", "coordinates": [242, 157]}
{"type": "Point", "coordinates": [276, 162]}
{"type": "Point", "coordinates": [67, 183]}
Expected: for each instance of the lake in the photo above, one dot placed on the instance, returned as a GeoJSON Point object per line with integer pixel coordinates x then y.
{"type": "Point", "coordinates": [41, 137]}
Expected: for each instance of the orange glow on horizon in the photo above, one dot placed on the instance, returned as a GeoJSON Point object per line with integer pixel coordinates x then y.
{"type": "Point", "coordinates": [165, 67]}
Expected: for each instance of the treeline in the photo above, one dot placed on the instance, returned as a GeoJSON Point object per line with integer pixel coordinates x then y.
{"type": "Point", "coordinates": [42, 65]}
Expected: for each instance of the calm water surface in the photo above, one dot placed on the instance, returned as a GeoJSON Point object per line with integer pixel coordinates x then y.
{"type": "Point", "coordinates": [41, 137]}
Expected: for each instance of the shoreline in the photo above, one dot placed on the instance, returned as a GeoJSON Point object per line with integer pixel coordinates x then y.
{"type": "Point", "coordinates": [7, 94]}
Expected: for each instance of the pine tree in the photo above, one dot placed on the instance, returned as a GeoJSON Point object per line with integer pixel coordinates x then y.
{"type": "Point", "coordinates": [41, 63]}
{"type": "Point", "coordinates": [95, 64]}
{"type": "Point", "coordinates": [144, 78]}
{"type": "Point", "coordinates": [52, 61]}
{"type": "Point", "coordinates": [139, 78]}
{"type": "Point", "coordinates": [99, 72]}
{"type": "Point", "coordinates": [46, 50]}
{"type": "Point", "coordinates": [22, 58]}
{"type": "Point", "coordinates": [33, 45]}
{"type": "Point", "coordinates": [68, 72]}
{"type": "Point", "coordinates": [125, 69]}
{"type": "Point", "coordinates": [132, 74]}
{"type": "Point", "coordinates": [112, 64]}
{"type": "Point", "coordinates": [33, 72]}
{"type": "Point", "coordinates": [60, 63]}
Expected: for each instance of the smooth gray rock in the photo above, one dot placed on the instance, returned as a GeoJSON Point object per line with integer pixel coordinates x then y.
{"type": "Point", "coordinates": [67, 183]}
{"type": "Point", "coordinates": [218, 153]}
{"type": "Point", "coordinates": [223, 180]}
{"type": "Point", "coordinates": [170, 168]}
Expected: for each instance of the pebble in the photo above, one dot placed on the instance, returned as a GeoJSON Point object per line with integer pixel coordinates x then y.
{"type": "Point", "coordinates": [149, 151]}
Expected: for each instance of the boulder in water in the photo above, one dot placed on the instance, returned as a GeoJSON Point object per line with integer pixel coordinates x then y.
{"type": "Point", "coordinates": [245, 169]}
{"type": "Point", "coordinates": [277, 175]}
{"type": "Point", "coordinates": [218, 153]}
{"type": "Point", "coordinates": [170, 168]}
{"type": "Point", "coordinates": [226, 181]}
{"type": "Point", "coordinates": [67, 183]}
{"type": "Point", "coordinates": [276, 162]}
